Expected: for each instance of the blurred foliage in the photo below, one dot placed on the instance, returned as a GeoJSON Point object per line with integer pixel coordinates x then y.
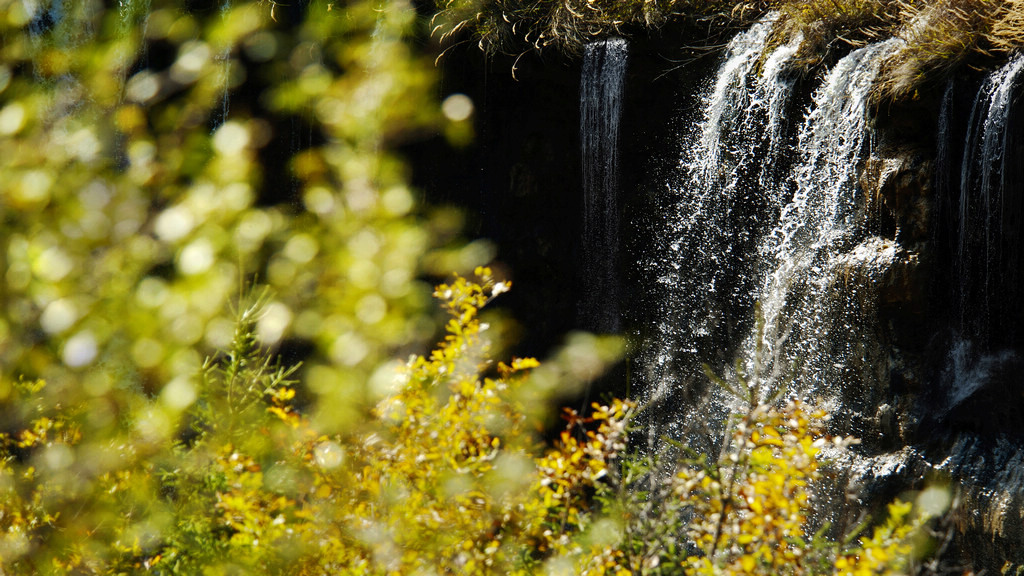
{"type": "Point", "coordinates": [142, 187]}
{"type": "Point", "coordinates": [136, 201]}
{"type": "Point", "coordinates": [444, 475]}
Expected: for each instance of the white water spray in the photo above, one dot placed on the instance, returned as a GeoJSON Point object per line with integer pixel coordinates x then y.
{"type": "Point", "coordinates": [819, 235]}
{"type": "Point", "coordinates": [717, 209]}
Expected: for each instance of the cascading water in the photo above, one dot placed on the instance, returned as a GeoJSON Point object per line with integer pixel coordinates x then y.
{"type": "Point", "coordinates": [772, 96]}
{"type": "Point", "coordinates": [820, 260]}
{"type": "Point", "coordinates": [987, 258]}
{"type": "Point", "coordinates": [947, 180]}
{"type": "Point", "coordinates": [601, 89]}
{"type": "Point", "coordinates": [811, 311]}
{"type": "Point", "coordinates": [718, 210]}
{"type": "Point", "coordinates": [984, 363]}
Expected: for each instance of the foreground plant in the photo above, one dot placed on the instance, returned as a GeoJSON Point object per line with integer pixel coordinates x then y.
{"type": "Point", "coordinates": [753, 510]}
{"type": "Point", "coordinates": [444, 475]}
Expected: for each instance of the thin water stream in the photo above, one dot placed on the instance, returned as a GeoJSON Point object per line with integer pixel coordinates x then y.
{"type": "Point", "coordinates": [986, 266]}
{"type": "Point", "coordinates": [601, 92]}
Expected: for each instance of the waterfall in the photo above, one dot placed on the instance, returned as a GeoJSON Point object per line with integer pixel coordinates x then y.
{"type": "Point", "coordinates": [601, 88]}
{"type": "Point", "coordinates": [689, 258]}
{"type": "Point", "coordinates": [717, 208]}
{"type": "Point", "coordinates": [947, 176]}
{"type": "Point", "coordinates": [772, 95]}
{"type": "Point", "coordinates": [819, 236]}
{"type": "Point", "coordinates": [728, 104]}
{"type": "Point", "coordinates": [976, 402]}
{"type": "Point", "coordinates": [983, 365]}
{"type": "Point", "coordinates": [987, 258]}
{"type": "Point", "coordinates": [986, 215]}
{"type": "Point", "coordinates": [742, 136]}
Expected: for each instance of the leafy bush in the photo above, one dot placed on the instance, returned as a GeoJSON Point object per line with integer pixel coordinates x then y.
{"type": "Point", "coordinates": [444, 475]}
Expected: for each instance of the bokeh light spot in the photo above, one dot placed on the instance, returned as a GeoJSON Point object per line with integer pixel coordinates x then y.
{"type": "Point", "coordinates": [80, 350]}
{"type": "Point", "coordinates": [457, 107]}
{"type": "Point", "coordinates": [328, 455]}
{"type": "Point", "coordinates": [349, 349]}
{"type": "Point", "coordinates": [231, 138]}
{"type": "Point", "coordinates": [12, 118]}
{"type": "Point", "coordinates": [143, 87]}
{"type": "Point", "coordinates": [196, 258]}
{"type": "Point", "coordinates": [52, 265]}
{"type": "Point", "coordinates": [179, 393]}
{"type": "Point", "coordinates": [174, 223]}
{"type": "Point", "coordinates": [58, 316]}
{"type": "Point", "coordinates": [275, 320]}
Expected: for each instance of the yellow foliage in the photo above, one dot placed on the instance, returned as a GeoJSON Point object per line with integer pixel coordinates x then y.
{"type": "Point", "coordinates": [751, 509]}
{"type": "Point", "coordinates": [889, 548]}
{"type": "Point", "coordinates": [444, 476]}
{"type": "Point", "coordinates": [433, 472]}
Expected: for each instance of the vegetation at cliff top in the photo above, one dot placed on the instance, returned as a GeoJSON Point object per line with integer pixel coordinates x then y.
{"type": "Point", "coordinates": [939, 36]}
